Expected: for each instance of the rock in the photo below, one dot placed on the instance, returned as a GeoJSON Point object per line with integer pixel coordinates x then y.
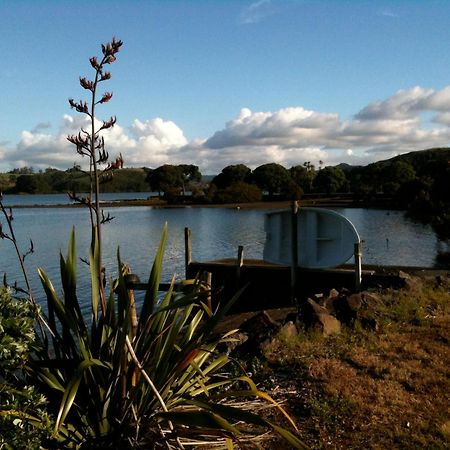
{"type": "Point", "coordinates": [309, 310]}
{"type": "Point", "coordinates": [259, 324]}
{"type": "Point", "coordinates": [288, 330]}
{"type": "Point", "coordinates": [347, 307]}
{"type": "Point", "coordinates": [371, 300]}
{"type": "Point", "coordinates": [412, 284]}
{"type": "Point", "coordinates": [327, 324]}
{"type": "Point", "coordinates": [316, 316]}
{"type": "Point", "coordinates": [333, 294]}
{"type": "Point", "coordinates": [258, 331]}
{"type": "Point", "coordinates": [409, 282]}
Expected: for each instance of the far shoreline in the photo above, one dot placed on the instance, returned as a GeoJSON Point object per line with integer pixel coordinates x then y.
{"type": "Point", "coordinates": [264, 204]}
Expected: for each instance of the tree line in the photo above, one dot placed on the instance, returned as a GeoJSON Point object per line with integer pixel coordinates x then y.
{"type": "Point", "coordinates": [418, 182]}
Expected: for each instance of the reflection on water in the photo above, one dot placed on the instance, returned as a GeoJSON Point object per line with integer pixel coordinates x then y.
{"type": "Point", "coordinates": [389, 238]}
{"type": "Point", "coordinates": [392, 239]}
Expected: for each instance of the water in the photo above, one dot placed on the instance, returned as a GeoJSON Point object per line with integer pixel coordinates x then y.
{"type": "Point", "coordinates": [389, 237]}
{"type": "Point", "coordinates": [63, 199]}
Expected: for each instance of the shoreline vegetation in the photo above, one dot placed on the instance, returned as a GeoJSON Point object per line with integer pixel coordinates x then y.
{"type": "Point", "coordinates": [417, 182]}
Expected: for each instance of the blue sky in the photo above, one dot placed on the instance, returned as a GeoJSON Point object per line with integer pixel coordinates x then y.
{"type": "Point", "coordinates": [223, 82]}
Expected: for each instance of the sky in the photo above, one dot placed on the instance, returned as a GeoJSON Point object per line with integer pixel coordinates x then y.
{"type": "Point", "coordinates": [223, 82]}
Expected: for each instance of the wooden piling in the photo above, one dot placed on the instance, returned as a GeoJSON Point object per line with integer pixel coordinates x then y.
{"type": "Point", "coordinates": [358, 266]}
{"type": "Point", "coordinates": [239, 264]}
{"type": "Point", "coordinates": [294, 249]}
{"type": "Point", "coordinates": [207, 279]}
{"type": "Point", "coordinates": [187, 250]}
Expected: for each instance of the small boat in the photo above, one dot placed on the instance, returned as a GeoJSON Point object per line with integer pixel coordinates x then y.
{"type": "Point", "coordinates": [324, 238]}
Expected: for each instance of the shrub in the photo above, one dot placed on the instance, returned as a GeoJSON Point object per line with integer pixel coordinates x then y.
{"type": "Point", "coordinates": [239, 192]}
{"type": "Point", "coordinates": [24, 422]}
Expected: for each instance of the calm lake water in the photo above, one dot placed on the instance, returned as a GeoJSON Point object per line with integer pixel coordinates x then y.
{"type": "Point", "coordinates": [389, 238]}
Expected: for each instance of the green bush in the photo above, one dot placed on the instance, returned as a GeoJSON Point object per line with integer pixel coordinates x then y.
{"type": "Point", "coordinates": [24, 422]}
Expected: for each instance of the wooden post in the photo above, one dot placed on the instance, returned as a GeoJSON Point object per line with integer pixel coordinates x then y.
{"type": "Point", "coordinates": [207, 278]}
{"type": "Point", "coordinates": [240, 263]}
{"type": "Point", "coordinates": [187, 250]}
{"type": "Point", "coordinates": [294, 249]}
{"type": "Point", "coordinates": [131, 280]}
{"type": "Point", "coordinates": [358, 266]}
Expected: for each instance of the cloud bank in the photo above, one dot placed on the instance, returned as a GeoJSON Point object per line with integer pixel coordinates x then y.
{"type": "Point", "coordinates": [409, 120]}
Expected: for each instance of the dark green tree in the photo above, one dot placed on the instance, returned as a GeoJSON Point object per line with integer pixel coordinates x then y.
{"type": "Point", "coordinates": [330, 180]}
{"type": "Point", "coordinates": [190, 174]}
{"type": "Point", "coordinates": [238, 192]}
{"type": "Point", "coordinates": [236, 173]}
{"type": "Point", "coordinates": [165, 178]}
{"type": "Point", "coordinates": [395, 174]}
{"type": "Point", "coordinates": [27, 184]}
{"type": "Point", "coordinates": [272, 177]}
{"type": "Point", "coordinates": [302, 177]}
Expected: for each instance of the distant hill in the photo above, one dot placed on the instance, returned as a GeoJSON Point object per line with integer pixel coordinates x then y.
{"type": "Point", "coordinates": [421, 157]}
{"type": "Point", "coordinates": [418, 159]}
{"type": "Point", "coordinates": [348, 167]}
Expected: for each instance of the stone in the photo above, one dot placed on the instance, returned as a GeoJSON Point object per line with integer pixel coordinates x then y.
{"type": "Point", "coordinates": [258, 331]}
{"type": "Point", "coordinates": [347, 307]}
{"type": "Point", "coordinates": [288, 330]}
{"type": "Point", "coordinates": [316, 316]}
{"type": "Point", "coordinates": [334, 293]}
{"type": "Point", "coordinates": [328, 324]}
{"type": "Point", "coordinates": [354, 302]}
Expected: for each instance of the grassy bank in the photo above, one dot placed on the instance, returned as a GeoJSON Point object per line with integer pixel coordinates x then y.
{"type": "Point", "coordinates": [384, 387]}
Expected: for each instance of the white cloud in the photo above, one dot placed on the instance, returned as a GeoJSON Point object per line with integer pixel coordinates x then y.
{"type": "Point", "coordinates": [256, 12]}
{"type": "Point", "coordinates": [413, 119]}
{"type": "Point", "coordinates": [387, 12]}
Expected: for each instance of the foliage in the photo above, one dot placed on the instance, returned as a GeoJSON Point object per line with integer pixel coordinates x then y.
{"type": "Point", "coordinates": [271, 177]}
{"type": "Point", "coordinates": [330, 180]}
{"type": "Point", "coordinates": [121, 380]}
{"type": "Point", "coordinates": [16, 331]}
{"type": "Point", "coordinates": [24, 422]}
{"type": "Point", "coordinates": [302, 177]}
{"type": "Point", "coordinates": [238, 192]}
{"type": "Point", "coordinates": [172, 179]}
{"type": "Point", "coordinates": [238, 173]}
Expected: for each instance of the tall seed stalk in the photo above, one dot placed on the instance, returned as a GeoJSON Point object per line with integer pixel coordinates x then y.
{"type": "Point", "coordinates": [91, 144]}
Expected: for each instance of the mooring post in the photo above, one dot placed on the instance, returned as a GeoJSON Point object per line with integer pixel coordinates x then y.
{"type": "Point", "coordinates": [240, 263]}
{"type": "Point", "coordinates": [207, 279]}
{"type": "Point", "coordinates": [187, 250]}
{"type": "Point", "coordinates": [294, 249]}
{"type": "Point", "coordinates": [358, 266]}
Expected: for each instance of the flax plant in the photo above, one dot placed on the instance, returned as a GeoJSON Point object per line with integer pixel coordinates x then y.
{"type": "Point", "coordinates": [91, 143]}
{"type": "Point", "coordinates": [128, 379]}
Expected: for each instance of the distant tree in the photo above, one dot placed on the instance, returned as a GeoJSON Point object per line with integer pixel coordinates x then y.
{"type": "Point", "coordinates": [330, 180]}
{"type": "Point", "coordinates": [27, 184]}
{"type": "Point", "coordinates": [232, 174]}
{"type": "Point", "coordinates": [272, 178]}
{"type": "Point", "coordinates": [165, 178]}
{"type": "Point", "coordinates": [238, 192]}
{"type": "Point", "coordinates": [302, 177]}
{"type": "Point", "coordinates": [23, 171]}
{"type": "Point", "coordinates": [190, 174]}
{"type": "Point", "coordinates": [398, 172]}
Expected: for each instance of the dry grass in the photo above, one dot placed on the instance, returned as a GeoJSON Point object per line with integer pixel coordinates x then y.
{"type": "Point", "coordinates": [388, 389]}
